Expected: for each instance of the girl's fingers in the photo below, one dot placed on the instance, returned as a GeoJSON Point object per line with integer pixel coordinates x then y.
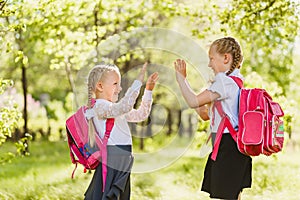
{"type": "Point", "coordinates": [142, 72]}
{"type": "Point", "coordinates": [179, 64]}
{"type": "Point", "coordinates": [145, 66]}
{"type": "Point", "coordinates": [182, 63]}
{"type": "Point", "coordinates": [154, 77]}
{"type": "Point", "coordinates": [175, 65]}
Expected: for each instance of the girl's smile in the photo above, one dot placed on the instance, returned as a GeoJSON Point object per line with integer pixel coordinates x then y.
{"type": "Point", "coordinates": [109, 86]}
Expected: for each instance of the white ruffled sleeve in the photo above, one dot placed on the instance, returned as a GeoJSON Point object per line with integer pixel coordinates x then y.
{"type": "Point", "coordinates": [141, 114]}
{"type": "Point", "coordinates": [105, 109]}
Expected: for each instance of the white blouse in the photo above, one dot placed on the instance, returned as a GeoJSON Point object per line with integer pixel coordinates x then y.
{"type": "Point", "coordinates": [123, 112]}
{"type": "Point", "coordinates": [228, 91]}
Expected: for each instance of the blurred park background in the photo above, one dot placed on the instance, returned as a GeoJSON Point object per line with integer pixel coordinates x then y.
{"type": "Point", "coordinates": [48, 46]}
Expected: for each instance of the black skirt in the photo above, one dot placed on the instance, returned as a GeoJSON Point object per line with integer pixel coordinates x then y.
{"type": "Point", "coordinates": [226, 177]}
{"type": "Point", "coordinates": [119, 164]}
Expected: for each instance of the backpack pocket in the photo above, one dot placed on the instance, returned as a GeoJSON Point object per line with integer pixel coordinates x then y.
{"type": "Point", "coordinates": [277, 134]}
{"type": "Point", "coordinates": [276, 109]}
{"type": "Point", "coordinates": [253, 128]}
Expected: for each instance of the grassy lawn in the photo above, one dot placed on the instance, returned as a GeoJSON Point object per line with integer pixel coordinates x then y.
{"type": "Point", "coordinates": [46, 175]}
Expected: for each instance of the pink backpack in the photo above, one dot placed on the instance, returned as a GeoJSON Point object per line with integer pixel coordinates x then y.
{"type": "Point", "coordinates": [78, 141]}
{"type": "Point", "coordinates": [260, 129]}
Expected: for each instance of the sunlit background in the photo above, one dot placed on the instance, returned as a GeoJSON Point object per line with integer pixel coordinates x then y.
{"type": "Point", "coordinates": [48, 47]}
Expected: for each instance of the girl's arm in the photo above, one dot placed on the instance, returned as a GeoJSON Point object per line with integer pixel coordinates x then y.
{"type": "Point", "coordinates": [105, 109]}
{"type": "Point", "coordinates": [203, 112]}
{"type": "Point", "coordinates": [141, 114]}
{"type": "Point", "coordinates": [193, 100]}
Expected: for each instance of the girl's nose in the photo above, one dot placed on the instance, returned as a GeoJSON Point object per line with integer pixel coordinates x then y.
{"type": "Point", "coordinates": [209, 64]}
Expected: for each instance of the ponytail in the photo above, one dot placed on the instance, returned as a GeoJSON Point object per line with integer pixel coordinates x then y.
{"type": "Point", "coordinates": [91, 131]}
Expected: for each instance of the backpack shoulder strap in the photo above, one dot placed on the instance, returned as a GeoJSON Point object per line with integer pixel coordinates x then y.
{"type": "Point", "coordinates": [109, 126]}
{"type": "Point", "coordinates": [224, 123]}
{"type": "Point", "coordinates": [238, 81]}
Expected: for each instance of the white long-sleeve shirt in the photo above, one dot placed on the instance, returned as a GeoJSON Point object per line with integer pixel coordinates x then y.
{"type": "Point", "coordinates": [123, 112]}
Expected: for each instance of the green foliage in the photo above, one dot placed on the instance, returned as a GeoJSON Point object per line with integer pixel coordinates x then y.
{"type": "Point", "coordinates": [4, 84]}
{"type": "Point", "coordinates": [22, 145]}
{"type": "Point", "coordinates": [57, 120]}
{"type": "Point", "coordinates": [9, 120]}
{"type": "Point", "coordinates": [267, 31]}
{"type": "Point", "coordinates": [54, 40]}
{"type": "Point", "coordinates": [9, 113]}
{"type": "Point", "coordinates": [272, 175]}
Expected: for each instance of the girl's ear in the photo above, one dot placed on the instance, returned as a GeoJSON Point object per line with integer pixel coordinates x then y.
{"type": "Point", "coordinates": [99, 86]}
{"type": "Point", "coordinates": [227, 58]}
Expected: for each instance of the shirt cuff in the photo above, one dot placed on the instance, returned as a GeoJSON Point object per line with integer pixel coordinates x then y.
{"type": "Point", "coordinates": [147, 95]}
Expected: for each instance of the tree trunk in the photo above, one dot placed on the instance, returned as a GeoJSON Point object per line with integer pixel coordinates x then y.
{"type": "Point", "coordinates": [71, 80]}
{"type": "Point", "coordinates": [142, 138]}
{"type": "Point", "coordinates": [169, 122]}
{"type": "Point", "coordinates": [25, 114]}
{"type": "Point", "coordinates": [179, 123]}
{"type": "Point", "coordinates": [149, 125]}
{"type": "Point", "coordinates": [141, 143]}
{"type": "Point", "coordinates": [190, 128]}
{"type": "Point", "coordinates": [19, 42]}
{"type": "Point", "coordinates": [97, 24]}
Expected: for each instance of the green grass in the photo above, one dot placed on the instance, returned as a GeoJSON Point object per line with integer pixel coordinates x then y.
{"type": "Point", "coordinates": [45, 174]}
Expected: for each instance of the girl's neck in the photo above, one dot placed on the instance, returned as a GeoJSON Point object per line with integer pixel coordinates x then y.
{"type": "Point", "coordinates": [99, 95]}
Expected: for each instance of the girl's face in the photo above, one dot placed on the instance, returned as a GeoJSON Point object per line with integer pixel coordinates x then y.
{"type": "Point", "coordinates": [217, 61]}
{"type": "Point", "coordinates": [109, 86]}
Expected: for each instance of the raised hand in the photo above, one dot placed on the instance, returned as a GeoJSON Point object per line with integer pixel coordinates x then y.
{"type": "Point", "coordinates": [151, 81]}
{"type": "Point", "coordinates": [180, 68]}
{"type": "Point", "coordinates": [142, 72]}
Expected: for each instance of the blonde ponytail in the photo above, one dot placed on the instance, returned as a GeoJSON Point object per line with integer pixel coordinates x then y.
{"type": "Point", "coordinates": [91, 132]}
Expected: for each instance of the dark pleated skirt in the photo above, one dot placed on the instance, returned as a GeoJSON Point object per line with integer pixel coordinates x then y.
{"type": "Point", "coordinates": [226, 177]}
{"type": "Point", "coordinates": [119, 164]}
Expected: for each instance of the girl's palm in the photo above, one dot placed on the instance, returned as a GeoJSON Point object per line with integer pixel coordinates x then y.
{"type": "Point", "coordinates": [151, 81]}
{"type": "Point", "coordinates": [180, 67]}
